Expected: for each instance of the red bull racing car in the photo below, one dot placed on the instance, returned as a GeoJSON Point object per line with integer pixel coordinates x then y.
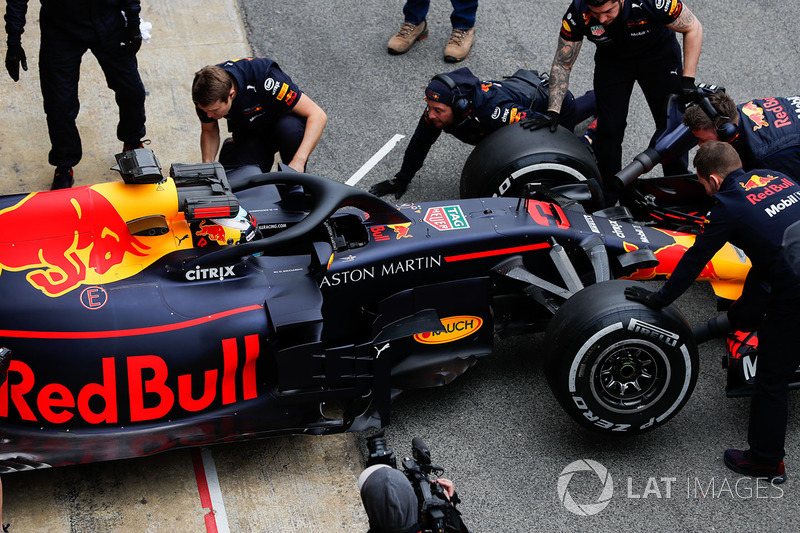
{"type": "Point", "coordinates": [153, 313]}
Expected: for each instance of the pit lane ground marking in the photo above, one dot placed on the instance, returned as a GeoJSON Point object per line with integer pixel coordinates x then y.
{"type": "Point", "coordinates": [372, 161]}
{"type": "Point", "coordinates": [205, 471]}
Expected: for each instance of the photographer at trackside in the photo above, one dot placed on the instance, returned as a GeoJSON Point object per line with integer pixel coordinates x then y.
{"type": "Point", "coordinates": [752, 211]}
{"type": "Point", "coordinates": [411, 500]}
{"type": "Point", "coordinates": [460, 104]}
{"type": "Point", "coordinates": [765, 132]}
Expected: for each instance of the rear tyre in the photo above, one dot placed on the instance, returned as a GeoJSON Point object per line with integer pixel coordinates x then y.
{"type": "Point", "coordinates": [617, 366]}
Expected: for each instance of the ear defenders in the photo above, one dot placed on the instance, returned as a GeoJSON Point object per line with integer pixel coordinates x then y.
{"type": "Point", "coordinates": [461, 105]}
{"type": "Point", "coordinates": [726, 130]}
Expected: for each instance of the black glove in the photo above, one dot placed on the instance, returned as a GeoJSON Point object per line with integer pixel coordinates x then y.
{"type": "Point", "coordinates": [389, 186]}
{"type": "Point", "coordinates": [688, 91]}
{"type": "Point", "coordinates": [15, 56]}
{"type": "Point", "coordinates": [133, 36]}
{"type": "Point", "coordinates": [540, 120]}
{"type": "Point", "coordinates": [640, 294]}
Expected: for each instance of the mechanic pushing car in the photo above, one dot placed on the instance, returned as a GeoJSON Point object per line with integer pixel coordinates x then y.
{"type": "Point", "coordinates": [765, 131]}
{"type": "Point", "coordinates": [265, 110]}
{"type": "Point", "coordinates": [752, 211]}
{"type": "Point", "coordinates": [635, 43]}
{"type": "Point", "coordinates": [462, 105]}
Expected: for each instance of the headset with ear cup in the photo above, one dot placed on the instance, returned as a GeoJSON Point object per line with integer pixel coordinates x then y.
{"type": "Point", "coordinates": [460, 105]}
{"type": "Point", "coordinates": [726, 130]}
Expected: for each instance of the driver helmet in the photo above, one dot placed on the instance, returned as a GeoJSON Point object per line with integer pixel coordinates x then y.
{"type": "Point", "coordinates": [239, 229]}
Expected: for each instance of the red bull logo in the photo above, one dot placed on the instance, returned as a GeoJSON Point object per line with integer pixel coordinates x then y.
{"type": "Point", "coordinates": [215, 232]}
{"type": "Point", "coordinates": [756, 114]}
{"type": "Point", "coordinates": [756, 182]}
{"type": "Point", "coordinates": [153, 392]}
{"type": "Point", "coordinates": [668, 257]}
{"type": "Point", "coordinates": [401, 230]}
{"type": "Point", "coordinates": [65, 239]}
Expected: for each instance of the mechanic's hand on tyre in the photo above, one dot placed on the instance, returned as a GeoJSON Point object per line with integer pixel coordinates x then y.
{"type": "Point", "coordinates": [15, 56]}
{"type": "Point", "coordinates": [389, 186]}
{"type": "Point", "coordinates": [540, 120]}
{"type": "Point", "coordinates": [643, 296]}
{"type": "Point", "coordinates": [134, 36]}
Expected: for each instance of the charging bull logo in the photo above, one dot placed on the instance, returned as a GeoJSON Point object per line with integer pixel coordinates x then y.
{"type": "Point", "coordinates": [63, 238]}
{"type": "Point", "coordinates": [215, 232]}
{"type": "Point", "coordinates": [668, 257]}
{"type": "Point", "coordinates": [756, 114]}
{"type": "Point", "coordinates": [756, 182]}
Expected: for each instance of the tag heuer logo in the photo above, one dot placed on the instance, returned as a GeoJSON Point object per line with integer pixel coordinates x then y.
{"type": "Point", "coordinates": [446, 218]}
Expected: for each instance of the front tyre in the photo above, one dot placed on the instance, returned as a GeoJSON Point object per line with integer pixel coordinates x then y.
{"type": "Point", "coordinates": [617, 366]}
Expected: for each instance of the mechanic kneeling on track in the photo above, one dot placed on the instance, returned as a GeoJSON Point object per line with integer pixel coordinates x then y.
{"type": "Point", "coordinates": [460, 104]}
{"type": "Point", "coordinates": [265, 110]}
{"type": "Point", "coordinates": [752, 212]}
{"type": "Point", "coordinates": [765, 131]}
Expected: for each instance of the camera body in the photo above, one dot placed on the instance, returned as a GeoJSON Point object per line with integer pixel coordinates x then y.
{"type": "Point", "coordinates": [437, 513]}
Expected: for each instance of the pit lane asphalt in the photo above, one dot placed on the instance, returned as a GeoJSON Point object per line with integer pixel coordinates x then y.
{"type": "Point", "coordinates": [497, 430]}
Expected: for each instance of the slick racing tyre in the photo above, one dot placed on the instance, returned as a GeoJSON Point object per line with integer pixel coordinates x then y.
{"type": "Point", "coordinates": [503, 162]}
{"type": "Point", "coordinates": [617, 366]}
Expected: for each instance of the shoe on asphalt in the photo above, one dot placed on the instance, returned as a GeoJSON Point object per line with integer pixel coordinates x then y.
{"type": "Point", "coordinates": [743, 462]}
{"type": "Point", "coordinates": [409, 33]}
{"type": "Point", "coordinates": [458, 46]}
{"type": "Point", "coordinates": [62, 179]}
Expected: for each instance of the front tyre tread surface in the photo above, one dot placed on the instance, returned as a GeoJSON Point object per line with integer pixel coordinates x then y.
{"type": "Point", "coordinates": [617, 366]}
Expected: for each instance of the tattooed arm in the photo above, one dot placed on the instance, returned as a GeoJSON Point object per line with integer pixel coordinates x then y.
{"type": "Point", "coordinates": [566, 54]}
{"type": "Point", "coordinates": [692, 31]}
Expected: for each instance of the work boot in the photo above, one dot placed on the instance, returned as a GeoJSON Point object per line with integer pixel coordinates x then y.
{"type": "Point", "coordinates": [409, 33]}
{"type": "Point", "coordinates": [62, 179]}
{"type": "Point", "coordinates": [745, 463]}
{"type": "Point", "coordinates": [458, 46]}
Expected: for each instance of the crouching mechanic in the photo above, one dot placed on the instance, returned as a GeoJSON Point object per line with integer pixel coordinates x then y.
{"type": "Point", "coordinates": [265, 110]}
{"type": "Point", "coordinates": [752, 211]}
{"type": "Point", "coordinates": [765, 131]}
{"type": "Point", "coordinates": [462, 105]}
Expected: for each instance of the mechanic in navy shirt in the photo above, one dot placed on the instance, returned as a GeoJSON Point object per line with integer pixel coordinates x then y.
{"type": "Point", "coordinates": [751, 211]}
{"type": "Point", "coordinates": [265, 110]}
{"type": "Point", "coordinates": [110, 29]}
{"type": "Point", "coordinates": [764, 131]}
{"type": "Point", "coordinates": [460, 104]}
{"type": "Point", "coordinates": [635, 43]}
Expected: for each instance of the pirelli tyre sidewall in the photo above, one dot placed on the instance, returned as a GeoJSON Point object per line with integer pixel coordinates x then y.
{"type": "Point", "coordinates": [617, 366]}
{"type": "Point", "coordinates": [507, 159]}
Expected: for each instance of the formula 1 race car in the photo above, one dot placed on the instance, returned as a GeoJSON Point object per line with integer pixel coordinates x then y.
{"type": "Point", "coordinates": [513, 157]}
{"type": "Point", "coordinates": [154, 313]}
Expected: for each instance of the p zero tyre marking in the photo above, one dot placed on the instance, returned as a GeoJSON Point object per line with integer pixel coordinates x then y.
{"type": "Point", "coordinates": [573, 369]}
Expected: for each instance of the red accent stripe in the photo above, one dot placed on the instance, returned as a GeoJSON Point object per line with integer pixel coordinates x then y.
{"type": "Point", "coordinates": [502, 251]}
{"type": "Point", "coordinates": [212, 211]}
{"type": "Point", "coordinates": [125, 332]}
{"type": "Point", "coordinates": [202, 488]}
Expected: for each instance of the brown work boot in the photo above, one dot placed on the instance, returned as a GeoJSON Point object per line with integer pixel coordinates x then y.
{"type": "Point", "coordinates": [458, 46]}
{"type": "Point", "coordinates": [409, 33]}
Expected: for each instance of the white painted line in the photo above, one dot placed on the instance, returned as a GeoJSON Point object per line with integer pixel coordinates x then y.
{"type": "Point", "coordinates": [380, 154]}
{"type": "Point", "coordinates": [205, 471]}
{"type": "Point", "coordinates": [214, 491]}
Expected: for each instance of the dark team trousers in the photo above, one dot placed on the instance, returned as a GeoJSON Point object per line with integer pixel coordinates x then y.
{"type": "Point", "coordinates": [778, 358]}
{"type": "Point", "coordinates": [59, 71]}
{"type": "Point", "coordinates": [259, 148]}
{"type": "Point", "coordinates": [462, 17]}
{"type": "Point", "coordinates": [658, 75]}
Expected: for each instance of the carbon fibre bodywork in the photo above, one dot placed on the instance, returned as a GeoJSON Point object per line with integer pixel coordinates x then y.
{"type": "Point", "coordinates": [135, 328]}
